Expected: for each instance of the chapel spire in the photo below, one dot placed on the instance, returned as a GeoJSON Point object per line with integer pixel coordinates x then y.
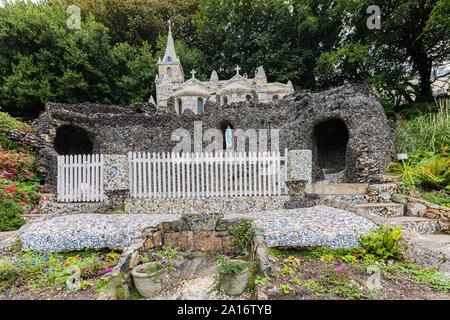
{"type": "Point", "coordinates": [170, 54]}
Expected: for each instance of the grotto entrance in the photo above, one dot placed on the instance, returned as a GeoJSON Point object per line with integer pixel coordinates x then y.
{"type": "Point", "coordinates": [72, 140]}
{"type": "Point", "coordinates": [330, 144]}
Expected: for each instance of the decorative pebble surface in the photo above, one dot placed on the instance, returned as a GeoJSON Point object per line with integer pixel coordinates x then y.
{"type": "Point", "coordinates": [315, 226]}
{"type": "Point", "coordinates": [198, 205]}
{"type": "Point", "coordinates": [382, 192]}
{"type": "Point", "coordinates": [88, 231]}
{"type": "Point", "coordinates": [300, 166]}
{"type": "Point", "coordinates": [115, 172]}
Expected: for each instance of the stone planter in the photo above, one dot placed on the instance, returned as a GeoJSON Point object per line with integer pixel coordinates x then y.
{"type": "Point", "coordinates": [235, 285]}
{"type": "Point", "coordinates": [148, 285]}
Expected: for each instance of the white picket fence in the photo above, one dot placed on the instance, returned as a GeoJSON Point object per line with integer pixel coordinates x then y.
{"type": "Point", "coordinates": [187, 175]}
{"type": "Point", "coordinates": [80, 178]}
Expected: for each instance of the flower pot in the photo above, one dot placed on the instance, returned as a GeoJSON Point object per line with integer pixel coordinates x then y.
{"type": "Point", "coordinates": [235, 285]}
{"type": "Point", "coordinates": [148, 284]}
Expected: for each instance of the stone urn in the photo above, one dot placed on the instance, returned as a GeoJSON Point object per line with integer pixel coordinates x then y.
{"type": "Point", "coordinates": [296, 187]}
{"type": "Point", "coordinates": [148, 284]}
{"type": "Point", "coordinates": [236, 284]}
{"type": "Point", "coordinates": [298, 197]}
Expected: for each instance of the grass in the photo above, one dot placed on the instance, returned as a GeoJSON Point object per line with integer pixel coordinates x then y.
{"type": "Point", "coordinates": [428, 132]}
{"type": "Point", "coordinates": [441, 198]}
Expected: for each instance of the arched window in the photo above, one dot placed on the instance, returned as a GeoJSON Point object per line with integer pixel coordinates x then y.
{"type": "Point", "coordinates": [199, 106]}
{"type": "Point", "coordinates": [248, 98]}
{"type": "Point", "coordinates": [169, 72]}
{"type": "Point", "coordinates": [169, 59]}
{"type": "Point", "coordinates": [274, 98]}
{"type": "Point", "coordinates": [225, 100]}
{"type": "Point", "coordinates": [180, 106]}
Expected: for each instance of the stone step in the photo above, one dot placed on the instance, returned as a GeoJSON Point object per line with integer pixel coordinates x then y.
{"type": "Point", "coordinates": [420, 225]}
{"type": "Point", "coordinates": [441, 238]}
{"type": "Point", "coordinates": [389, 209]}
{"type": "Point", "coordinates": [340, 188]}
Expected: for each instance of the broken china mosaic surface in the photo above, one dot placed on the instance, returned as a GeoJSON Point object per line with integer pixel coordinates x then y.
{"type": "Point", "coordinates": [300, 166]}
{"type": "Point", "coordinates": [115, 172]}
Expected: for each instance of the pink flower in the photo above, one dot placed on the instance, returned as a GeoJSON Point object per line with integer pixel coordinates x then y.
{"type": "Point", "coordinates": [100, 272]}
{"type": "Point", "coordinates": [108, 269]}
{"type": "Point", "coordinates": [341, 268]}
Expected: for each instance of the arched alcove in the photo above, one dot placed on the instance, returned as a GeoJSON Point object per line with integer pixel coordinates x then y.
{"type": "Point", "coordinates": [330, 139]}
{"type": "Point", "coordinates": [71, 139]}
{"type": "Point", "coordinates": [223, 128]}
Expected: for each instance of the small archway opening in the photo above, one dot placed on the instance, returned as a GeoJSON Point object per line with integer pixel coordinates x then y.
{"type": "Point", "coordinates": [248, 98]}
{"type": "Point", "coordinates": [70, 140]}
{"type": "Point", "coordinates": [274, 99]}
{"type": "Point", "coordinates": [224, 100]}
{"type": "Point", "coordinates": [224, 126]}
{"type": "Point", "coordinates": [199, 106]}
{"type": "Point", "coordinates": [331, 138]}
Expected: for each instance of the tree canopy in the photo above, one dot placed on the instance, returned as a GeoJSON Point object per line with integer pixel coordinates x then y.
{"type": "Point", "coordinates": [317, 44]}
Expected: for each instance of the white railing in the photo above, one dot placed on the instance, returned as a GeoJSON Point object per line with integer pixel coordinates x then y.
{"type": "Point", "coordinates": [187, 175]}
{"type": "Point", "coordinates": [80, 178]}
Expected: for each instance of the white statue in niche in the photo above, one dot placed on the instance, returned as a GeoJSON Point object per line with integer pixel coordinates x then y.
{"type": "Point", "coordinates": [229, 138]}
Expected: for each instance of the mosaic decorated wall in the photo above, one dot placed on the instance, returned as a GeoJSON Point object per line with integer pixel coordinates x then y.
{"type": "Point", "coordinates": [115, 172]}
{"type": "Point", "coordinates": [300, 166]}
{"type": "Point", "coordinates": [199, 205]}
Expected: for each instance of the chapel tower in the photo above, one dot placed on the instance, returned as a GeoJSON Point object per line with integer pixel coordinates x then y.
{"type": "Point", "coordinates": [170, 72]}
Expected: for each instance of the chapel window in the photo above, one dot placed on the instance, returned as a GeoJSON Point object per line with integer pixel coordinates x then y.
{"type": "Point", "coordinates": [199, 106]}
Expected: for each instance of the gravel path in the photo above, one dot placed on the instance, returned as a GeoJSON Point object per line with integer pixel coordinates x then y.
{"type": "Point", "coordinates": [316, 226]}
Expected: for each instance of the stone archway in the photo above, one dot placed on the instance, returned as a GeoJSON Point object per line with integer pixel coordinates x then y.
{"type": "Point", "coordinates": [70, 140]}
{"type": "Point", "coordinates": [330, 145]}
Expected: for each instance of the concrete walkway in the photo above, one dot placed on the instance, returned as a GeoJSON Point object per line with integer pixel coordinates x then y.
{"type": "Point", "coordinates": [316, 226]}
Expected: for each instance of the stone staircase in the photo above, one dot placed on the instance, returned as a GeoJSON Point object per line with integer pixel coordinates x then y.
{"type": "Point", "coordinates": [374, 203]}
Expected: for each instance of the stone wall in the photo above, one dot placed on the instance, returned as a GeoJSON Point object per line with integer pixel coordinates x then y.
{"type": "Point", "coordinates": [143, 127]}
{"type": "Point", "coordinates": [424, 209]}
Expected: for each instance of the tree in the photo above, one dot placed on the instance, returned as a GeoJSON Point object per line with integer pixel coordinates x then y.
{"type": "Point", "coordinates": [135, 21]}
{"type": "Point", "coordinates": [43, 60]}
{"type": "Point", "coordinates": [412, 35]}
{"type": "Point", "coordinates": [285, 37]}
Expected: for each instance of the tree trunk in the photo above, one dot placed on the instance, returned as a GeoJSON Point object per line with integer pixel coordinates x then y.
{"type": "Point", "coordinates": [425, 92]}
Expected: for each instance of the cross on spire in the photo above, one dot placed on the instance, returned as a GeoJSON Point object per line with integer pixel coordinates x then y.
{"type": "Point", "coordinates": [237, 69]}
{"type": "Point", "coordinates": [193, 72]}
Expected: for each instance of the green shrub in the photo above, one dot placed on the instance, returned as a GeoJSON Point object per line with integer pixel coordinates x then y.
{"type": "Point", "coordinates": [440, 197]}
{"type": "Point", "coordinates": [8, 123]}
{"type": "Point", "coordinates": [243, 232]}
{"type": "Point", "coordinates": [435, 172]}
{"type": "Point", "coordinates": [428, 132]}
{"type": "Point", "coordinates": [383, 243]}
{"type": "Point", "coordinates": [10, 218]}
